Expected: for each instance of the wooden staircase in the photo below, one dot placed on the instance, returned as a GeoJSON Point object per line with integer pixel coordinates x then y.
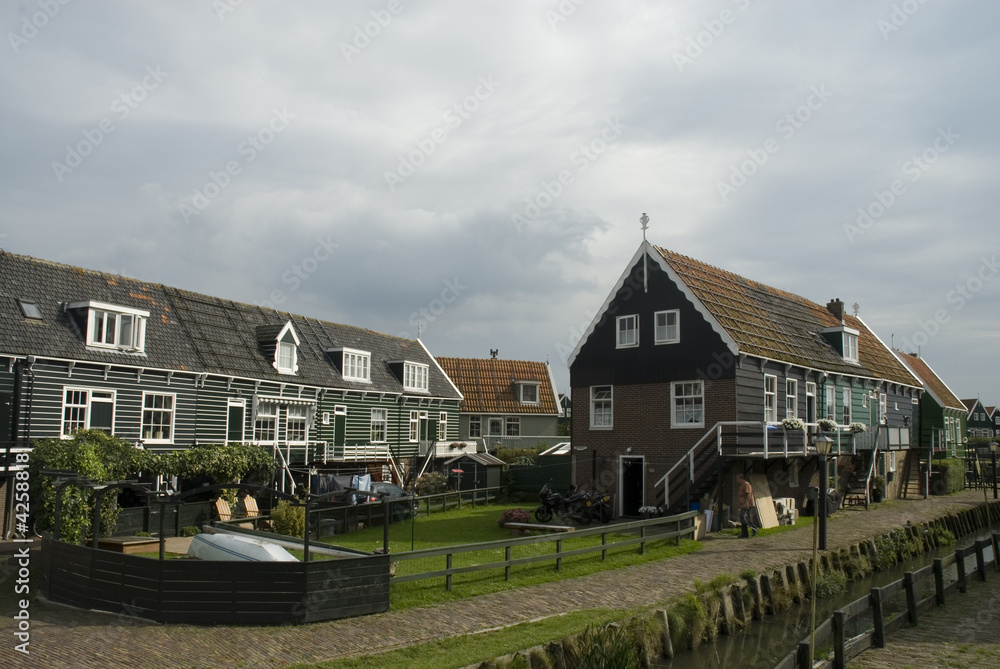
{"type": "Point", "coordinates": [912, 485]}
{"type": "Point", "coordinates": [857, 485]}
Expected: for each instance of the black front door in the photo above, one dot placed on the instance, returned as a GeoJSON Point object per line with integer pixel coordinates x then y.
{"type": "Point", "coordinates": [632, 485]}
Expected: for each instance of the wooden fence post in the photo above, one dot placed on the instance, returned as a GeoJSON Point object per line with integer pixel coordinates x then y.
{"type": "Point", "coordinates": [604, 542]}
{"type": "Point", "coordinates": [878, 618]}
{"type": "Point", "coordinates": [960, 566]}
{"type": "Point", "coordinates": [839, 647]}
{"type": "Point", "coordinates": [668, 644]}
{"type": "Point", "coordinates": [765, 585]}
{"type": "Point", "coordinates": [911, 597]}
{"type": "Point", "coordinates": [506, 557]}
{"type": "Point", "coordinates": [642, 544]}
{"type": "Point", "coordinates": [558, 551]}
{"type": "Point", "coordinates": [447, 578]}
{"type": "Point", "coordinates": [804, 661]}
{"type": "Point", "coordinates": [981, 559]}
{"type": "Point", "coordinates": [939, 581]}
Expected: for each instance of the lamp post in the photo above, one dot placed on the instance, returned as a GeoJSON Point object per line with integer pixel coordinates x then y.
{"type": "Point", "coordinates": [824, 445]}
{"type": "Point", "coordinates": [993, 454]}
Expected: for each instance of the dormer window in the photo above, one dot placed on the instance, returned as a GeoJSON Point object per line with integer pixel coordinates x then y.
{"type": "Point", "coordinates": [529, 393]}
{"type": "Point", "coordinates": [844, 340]}
{"type": "Point", "coordinates": [114, 327]}
{"type": "Point", "coordinates": [286, 356]}
{"type": "Point", "coordinates": [354, 365]}
{"type": "Point", "coordinates": [414, 377]}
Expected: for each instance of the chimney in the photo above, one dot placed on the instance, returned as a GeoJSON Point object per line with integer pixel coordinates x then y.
{"type": "Point", "coordinates": [836, 308]}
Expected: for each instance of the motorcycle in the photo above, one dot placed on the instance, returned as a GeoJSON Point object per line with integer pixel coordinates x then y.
{"type": "Point", "coordinates": [573, 508]}
{"type": "Point", "coordinates": [600, 506]}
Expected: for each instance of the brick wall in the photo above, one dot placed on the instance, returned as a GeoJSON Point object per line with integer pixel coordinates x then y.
{"type": "Point", "coordinates": [642, 421]}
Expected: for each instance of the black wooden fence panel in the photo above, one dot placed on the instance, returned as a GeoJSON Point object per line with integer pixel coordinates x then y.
{"type": "Point", "coordinates": [214, 592]}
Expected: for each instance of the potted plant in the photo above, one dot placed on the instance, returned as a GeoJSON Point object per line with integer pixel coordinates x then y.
{"type": "Point", "coordinates": [793, 424]}
{"type": "Point", "coordinates": [857, 428]}
{"type": "Point", "coordinates": [827, 424]}
{"type": "Point", "coordinates": [878, 488]}
{"type": "Point", "coordinates": [649, 511]}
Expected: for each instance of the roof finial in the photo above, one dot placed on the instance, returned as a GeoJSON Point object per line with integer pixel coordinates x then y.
{"type": "Point", "coordinates": [419, 326]}
{"type": "Point", "coordinates": [644, 220]}
{"type": "Point", "coordinates": [857, 308]}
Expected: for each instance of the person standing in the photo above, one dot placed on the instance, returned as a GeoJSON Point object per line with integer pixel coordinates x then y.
{"type": "Point", "coordinates": [746, 504]}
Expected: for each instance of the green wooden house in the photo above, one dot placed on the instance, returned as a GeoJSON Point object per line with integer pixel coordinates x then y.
{"type": "Point", "coordinates": [942, 425]}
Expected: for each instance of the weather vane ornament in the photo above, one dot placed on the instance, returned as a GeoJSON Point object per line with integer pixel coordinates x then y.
{"type": "Point", "coordinates": [644, 220]}
{"type": "Point", "coordinates": [857, 308]}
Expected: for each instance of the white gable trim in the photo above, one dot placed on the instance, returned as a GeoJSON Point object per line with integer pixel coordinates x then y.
{"type": "Point", "coordinates": [926, 386]}
{"type": "Point", "coordinates": [555, 393]}
{"type": "Point", "coordinates": [288, 328]}
{"type": "Point", "coordinates": [648, 249]}
{"type": "Point", "coordinates": [450, 382]}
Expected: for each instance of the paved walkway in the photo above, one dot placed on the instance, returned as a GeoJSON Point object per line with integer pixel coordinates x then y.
{"type": "Point", "coordinates": [67, 637]}
{"type": "Point", "coordinates": [962, 634]}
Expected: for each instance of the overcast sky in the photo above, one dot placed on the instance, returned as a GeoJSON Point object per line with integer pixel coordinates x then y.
{"type": "Point", "coordinates": [481, 166]}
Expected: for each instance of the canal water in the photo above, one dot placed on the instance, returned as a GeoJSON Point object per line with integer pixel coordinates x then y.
{"type": "Point", "coordinates": [764, 643]}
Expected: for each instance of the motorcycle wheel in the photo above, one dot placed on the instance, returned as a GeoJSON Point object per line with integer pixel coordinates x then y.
{"type": "Point", "coordinates": [605, 513]}
{"type": "Point", "coordinates": [543, 514]}
{"type": "Point", "coordinates": [582, 515]}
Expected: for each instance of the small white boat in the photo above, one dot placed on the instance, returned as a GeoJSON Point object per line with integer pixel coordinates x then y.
{"type": "Point", "coordinates": [235, 548]}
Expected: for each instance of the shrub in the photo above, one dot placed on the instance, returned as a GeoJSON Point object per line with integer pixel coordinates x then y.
{"type": "Point", "coordinates": [946, 538]}
{"type": "Point", "coordinates": [191, 530]}
{"type": "Point", "coordinates": [830, 584]}
{"type": "Point", "coordinates": [608, 647]}
{"type": "Point", "coordinates": [524, 456]}
{"type": "Point", "coordinates": [289, 520]}
{"type": "Point", "coordinates": [431, 483]}
{"type": "Point", "coordinates": [141, 533]}
{"type": "Point", "coordinates": [952, 473]}
{"type": "Point", "coordinates": [513, 516]}
{"type": "Point", "coordinates": [689, 623]}
{"type": "Point", "coordinates": [748, 574]}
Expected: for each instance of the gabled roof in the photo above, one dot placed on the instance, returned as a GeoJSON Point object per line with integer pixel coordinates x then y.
{"type": "Point", "coordinates": [933, 384]}
{"type": "Point", "coordinates": [778, 325]}
{"type": "Point", "coordinates": [481, 458]}
{"type": "Point", "coordinates": [489, 385]}
{"type": "Point", "coordinates": [970, 404]}
{"type": "Point", "coordinates": [190, 331]}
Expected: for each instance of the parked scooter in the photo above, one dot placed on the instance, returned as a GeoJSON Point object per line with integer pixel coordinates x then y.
{"type": "Point", "coordinates": [574, 508]}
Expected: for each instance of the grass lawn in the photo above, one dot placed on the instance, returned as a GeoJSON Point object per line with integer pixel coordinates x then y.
{"type": "Point", "coordinates": [478, 525]}
{"type": "Point", "coordinates": [469, 649]}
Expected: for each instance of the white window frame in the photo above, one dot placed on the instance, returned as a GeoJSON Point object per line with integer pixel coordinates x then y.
{"type": "Point", "coordinates": [379, 426]}
{"type": "Point", "coordinates": [415, 376]}
{"type": "Point", "coordinates": [356, 365]}
{"type": "Point", "coordinates": [292, 358]}
{"type": "Point", "coordinates": [535, 387]}
{"type": "Point", "coordinates": [770, 398]}
{"type": "Point", "coordinates": [830, 402]}
{"type": "Point", "coordinates": [883, 409]}
{"type": "Point", "coordinates": [153, 409]}
{"type": "Point", "coordinates": [850, 347]}
{"type": "Point", "coordinates": [512, 426]}
{"type": "Point", "coordinates": [607, 413]}
{"type": "Point", "coordinates": [304, 418]}
{"type": "Point", "coordinates": [694, 398]}
{"type": "Point", "coordinates": [442, 426]}
{"type": "Point", "coordinates": [891, 457]}
{"type": "Point", "coordinates": [791, 398]}
{"type": "Point", "coordinates": [88, 401]}
{"type": "Point", "coordinates": [667, 333]}
{"type": "Point", "coordinates": [847, 396]}
{"type": "Point", "coordinates": [622, 340]}
{"type": "Point", "coordinates": [478, 422]}
{"type": "Point", "coordinates": [114, 340]}
{"type": "Point", "coordinates": [236, 402]}
{"type": "Point", "coordinates": [495, 420]}
{"type": "Point", "coordinates": [812, 400]}
{"type": "Point", "coordinates": [414, 434]}
{"type": "Point", "coordinates": [261, 431]}
{"type": "Point", "coordinates": [793, 473]}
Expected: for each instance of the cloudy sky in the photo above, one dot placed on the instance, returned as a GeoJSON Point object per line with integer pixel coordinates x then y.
{"type": "Point", "coordinates": [481, 167]}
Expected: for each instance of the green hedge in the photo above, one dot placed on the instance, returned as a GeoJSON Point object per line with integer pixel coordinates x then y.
{"type": "Point", "coordinates": [951, 476]}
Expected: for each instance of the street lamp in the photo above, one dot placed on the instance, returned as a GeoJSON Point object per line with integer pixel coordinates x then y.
{"type": "Point", "coordinates": [824, 445]}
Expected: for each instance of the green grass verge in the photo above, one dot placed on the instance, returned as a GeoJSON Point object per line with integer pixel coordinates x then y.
{"type": "Point", "coordinates": [468, 649]}
{"type": "Point", "coordinates": [477, 525]}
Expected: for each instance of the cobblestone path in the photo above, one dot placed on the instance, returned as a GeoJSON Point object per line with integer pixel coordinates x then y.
{"type": "Point", "coordinates": [67, 637]}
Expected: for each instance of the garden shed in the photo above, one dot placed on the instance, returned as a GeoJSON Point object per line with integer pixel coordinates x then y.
{"type": "Point", "coordinates": [475, 470]}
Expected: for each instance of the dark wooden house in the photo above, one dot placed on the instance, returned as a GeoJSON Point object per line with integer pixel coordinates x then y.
{"type": "Point", "coordinates": [686, 374]}
{"type": "Point", "coordinates": [167, 368]}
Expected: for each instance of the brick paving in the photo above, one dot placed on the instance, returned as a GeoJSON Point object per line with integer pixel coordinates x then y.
{"type": "Point", "coordinates": [67, 637]}
{"type": "Point", "coordinates": [962, 634]}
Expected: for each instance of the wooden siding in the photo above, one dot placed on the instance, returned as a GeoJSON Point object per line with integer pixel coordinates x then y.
{"type": "Point", "coordinates": [700, 354]}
